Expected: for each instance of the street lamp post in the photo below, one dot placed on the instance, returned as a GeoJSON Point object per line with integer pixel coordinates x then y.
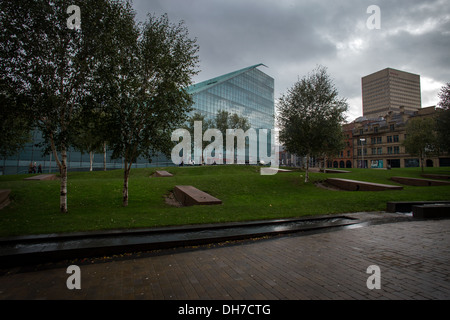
{"type": "Point", "coordinates": [362, 150]}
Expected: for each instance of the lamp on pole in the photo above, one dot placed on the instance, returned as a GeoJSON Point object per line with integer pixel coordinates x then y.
{"type": "Point", "coordinates": [362, 150]}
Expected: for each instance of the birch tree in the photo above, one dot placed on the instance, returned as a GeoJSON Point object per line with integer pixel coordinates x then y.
{"type": "Point", "coordinates": [49, 52]}
{"type": "Point", "coordinates": [149, 100]}
{"type": "Point", "coordinates": [421, 139]}
{"type": "Point", "coordinates": [443, 120]}
{"type": "Point", "coordinates": [310, 116]}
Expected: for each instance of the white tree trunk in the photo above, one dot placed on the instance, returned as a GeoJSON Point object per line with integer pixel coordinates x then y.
{"type": "Point", "coordinates": [126, 175]}
{"type": "Point", "coordinates": [104, 156]}
{"type": "Point", "coordinates": [91, 160]}
{"type": "Point", "coordinates": [63, 188]}
{"type": "Point", "coordinates": [307, 169]}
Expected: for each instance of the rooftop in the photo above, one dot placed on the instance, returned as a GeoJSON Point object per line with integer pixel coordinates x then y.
{"type": "Point", "coordinates": [217, 80]}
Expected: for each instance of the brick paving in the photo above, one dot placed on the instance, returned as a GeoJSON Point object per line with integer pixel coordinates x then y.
{"type": "Point", "coordinates": [414, 259]}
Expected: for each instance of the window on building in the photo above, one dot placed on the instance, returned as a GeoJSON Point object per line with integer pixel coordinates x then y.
{"type": "Point", "coordinates": [396, 138]}
{"type": "Point", "coordinates": [379, 140]}
{"type": "Point", "coordinates": [389, 150]}
{"type": "Point", "coordinates": [379, 150]}
{"type": "Point", "coordinates": [396, 150]}
{"type": "Point", "coordinates": [389, 139]}
{"type": "Point", "coordinates": [392, 127]}
{"type": "Point", "coordinates": [374, 151]}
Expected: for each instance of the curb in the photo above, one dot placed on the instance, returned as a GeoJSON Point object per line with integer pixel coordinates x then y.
{"type": "Point", "coordinates": [32, 250]}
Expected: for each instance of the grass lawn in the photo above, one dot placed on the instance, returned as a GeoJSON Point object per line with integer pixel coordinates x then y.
{"type": "Point", "coordinates": [95, 198]}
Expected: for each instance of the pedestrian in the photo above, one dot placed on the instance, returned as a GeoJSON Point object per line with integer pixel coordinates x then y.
{"type": "Point", "coordinates": [30, 168]}
{"type": "Point", "coordinates": [34, 168]}
{"type": "Point", "coordinates": [40, 168]}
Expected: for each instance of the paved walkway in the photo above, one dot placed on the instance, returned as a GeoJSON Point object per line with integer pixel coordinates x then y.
{"type": "Point", "coordinates": [413, 257]}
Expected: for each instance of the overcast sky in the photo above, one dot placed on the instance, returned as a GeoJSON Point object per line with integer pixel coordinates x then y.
{"type": "Point", "coordinates": [292, 37]}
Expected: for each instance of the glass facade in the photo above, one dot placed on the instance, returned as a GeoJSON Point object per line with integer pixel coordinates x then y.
{"type": "Point", "coordinates": [248, 92]}
{"type": "Point", "coordinates": [76, 161]}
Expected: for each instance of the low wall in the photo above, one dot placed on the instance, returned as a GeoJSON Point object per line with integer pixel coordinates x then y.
{"type": "Point", "coordinates": [407, 206]}
{"type": "Point", "coordinates": [420, 182]}
{"type": "Point", "coordinates": [190, 196]}
{"type": "Point", "coordinates": [4, 198]}
{"type": "Point", "coordinates": [354, 185]}
{"type": "Point", "coordinates": [431, 211]}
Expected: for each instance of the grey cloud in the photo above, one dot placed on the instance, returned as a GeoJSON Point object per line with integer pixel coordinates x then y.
{"type": "Point", "coordinates": [291, 37]}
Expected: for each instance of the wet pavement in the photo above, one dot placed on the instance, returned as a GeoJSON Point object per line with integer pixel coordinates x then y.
{"type": "Point", "coordinates": [39, 249]}
{"type": "Point", "coordinates": [328, 261]}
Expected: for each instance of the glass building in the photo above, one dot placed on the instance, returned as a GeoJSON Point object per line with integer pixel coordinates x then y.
{"type": "Point", "coordinates": [249, 92]}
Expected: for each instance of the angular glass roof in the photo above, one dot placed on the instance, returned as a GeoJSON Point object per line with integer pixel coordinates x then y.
{"type": "Point", "coordinates": [215, 81]}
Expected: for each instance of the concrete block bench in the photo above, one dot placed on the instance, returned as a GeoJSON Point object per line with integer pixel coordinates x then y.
{"type": "Point", "coordinates": [436, 176]}
{"type": "Point", "coordinates": [420, 182]}
{"type": "Point", "coordinates": [431, 211]}
{"type": "Point", "coordinates": [190, 196]}
{"type": "Point", "coordinates": [336, 171]}
{"type": "Point", "coordinates": [163, 174]}
{"type": "Point", "coordinates": [274, 170]}
{"type": "Point", "coordinates": [42, 177]}
{"type": "Point", "coordinates": [407, 206]}
{"type": "Point", "coordinates": [354, 185]}
{"type": "Point", "coordinates": [4, 198]}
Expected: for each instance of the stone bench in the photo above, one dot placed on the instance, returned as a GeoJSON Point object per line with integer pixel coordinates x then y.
{"type": "Point", "coordinates": [418, 182]}
{"type": "Point", "coordinates": [407, 206]}
{"type": "Point", "coordinates": [163, 174]}
{"type": "Point", "coordinates": [42, 177]}
{"type": "Point", "coordinates": [336, 171]}
{"type": "Point", "coordinates": [275, 170]}
{"type": "Point", "coordinates": [190, 196]}
{"type": "Point", "coordinates": [431, 211]}
{"type": "Point", "coordinates": [4, 198]}
{"type": "Point", "coordinates": [354, 185]}
{"type": "Point", "coordinates": [436, 176]}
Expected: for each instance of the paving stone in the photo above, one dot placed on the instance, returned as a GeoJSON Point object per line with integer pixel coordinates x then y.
{"type": "Point", "coordinates": [413, 258]}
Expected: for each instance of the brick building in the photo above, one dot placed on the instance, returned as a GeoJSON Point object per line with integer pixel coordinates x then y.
{"type": "Point", "coordinates": [378, 143]}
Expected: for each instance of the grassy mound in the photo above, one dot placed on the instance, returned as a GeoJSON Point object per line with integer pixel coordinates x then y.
{"type": "Point", "coordinates": [95, 198]}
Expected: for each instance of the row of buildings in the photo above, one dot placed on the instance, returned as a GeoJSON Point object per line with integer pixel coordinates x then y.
{"type": "Point", "coordinates": [390, 98]}
{"type": "Point", "coordinates": [378, 143]}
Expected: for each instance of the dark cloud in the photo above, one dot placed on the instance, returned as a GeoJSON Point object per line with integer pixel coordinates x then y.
{"type": "Point", "coordinates": [292, 37]}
